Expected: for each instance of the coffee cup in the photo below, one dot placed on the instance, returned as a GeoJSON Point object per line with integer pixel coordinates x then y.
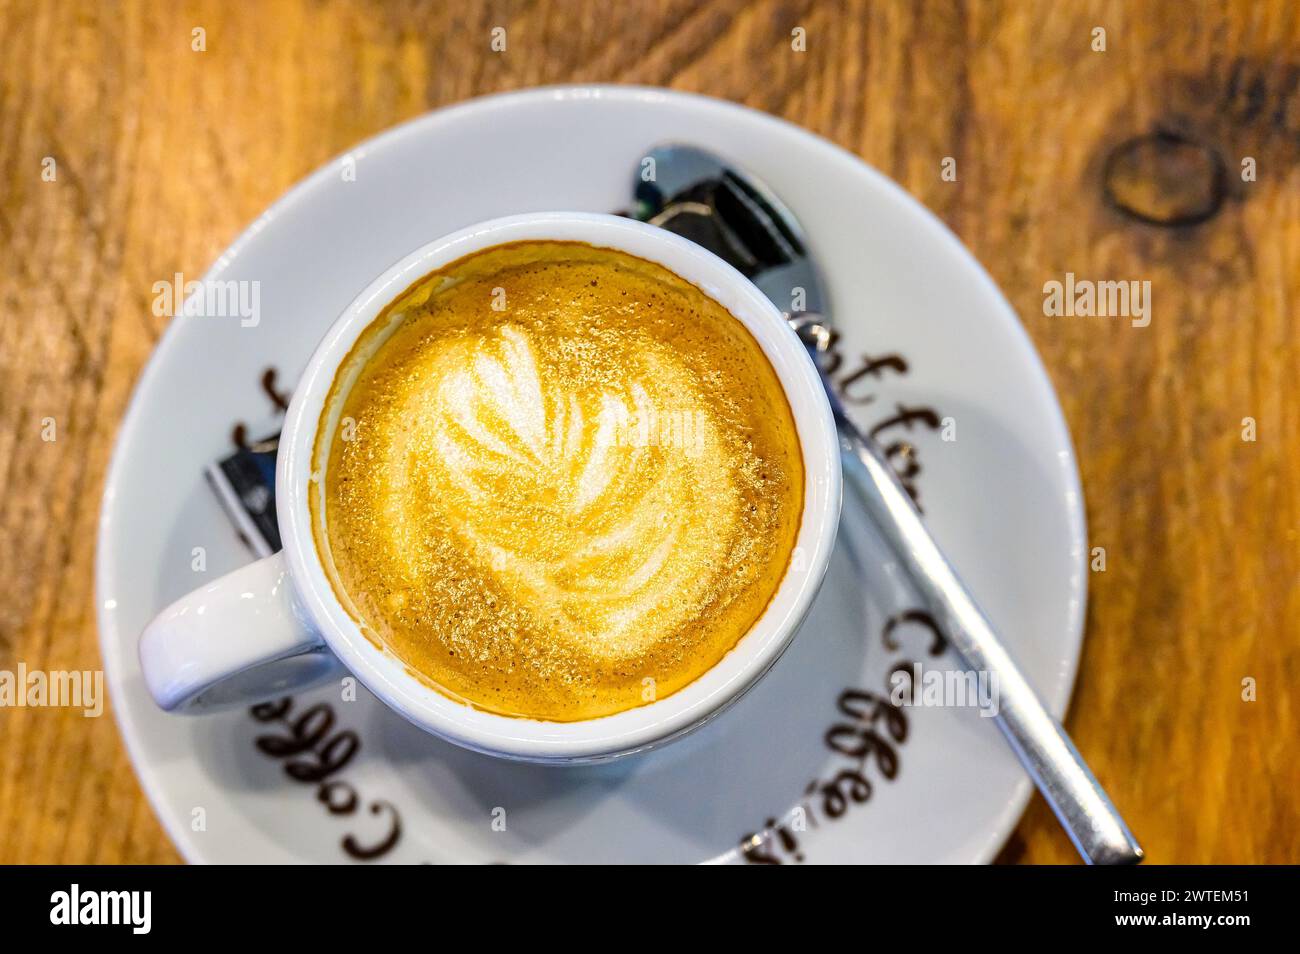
{"type": "Point", "coordinates": [279, 625]}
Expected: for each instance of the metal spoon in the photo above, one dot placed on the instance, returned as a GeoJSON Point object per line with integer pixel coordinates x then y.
{"type": "Point", "coordinates": [710, 201]}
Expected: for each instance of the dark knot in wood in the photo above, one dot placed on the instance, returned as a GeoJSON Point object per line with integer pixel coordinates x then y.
{"type": "Point", "coordinates": [1165, 179]}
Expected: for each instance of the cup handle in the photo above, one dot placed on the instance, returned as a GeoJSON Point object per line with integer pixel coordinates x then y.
{"type": "Point", "coordinates": [239, 640]}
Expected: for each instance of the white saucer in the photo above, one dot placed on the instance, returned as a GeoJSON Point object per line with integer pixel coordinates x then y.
{"type": "Point", "coordinates": [1003, 499]}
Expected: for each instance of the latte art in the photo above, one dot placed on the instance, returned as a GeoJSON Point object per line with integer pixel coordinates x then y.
{"type": "Point", "coordinates": [567, 506]}
{"type": "Point", "coordinates": [572, 519]}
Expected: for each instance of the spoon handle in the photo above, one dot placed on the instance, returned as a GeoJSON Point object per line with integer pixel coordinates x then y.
{"type": "Point", "coordinates": [1041, 745]}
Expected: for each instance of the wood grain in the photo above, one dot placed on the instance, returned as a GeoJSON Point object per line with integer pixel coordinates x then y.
{"type": "Point", "coordinates": [164, 154]}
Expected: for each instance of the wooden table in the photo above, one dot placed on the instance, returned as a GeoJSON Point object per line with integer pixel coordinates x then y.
{"type": "Point", "coordinates": [1123, 163]}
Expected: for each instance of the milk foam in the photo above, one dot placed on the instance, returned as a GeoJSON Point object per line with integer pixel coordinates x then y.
{"type": "Point", "coordinates": [488, 439]}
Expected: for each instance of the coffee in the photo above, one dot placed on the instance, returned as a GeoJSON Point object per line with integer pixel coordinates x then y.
{"type": "Point", "coordinates": [559, 481]}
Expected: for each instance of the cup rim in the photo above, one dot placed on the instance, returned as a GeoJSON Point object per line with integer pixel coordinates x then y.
{"type": "Point", "coordinates": [633, 729]}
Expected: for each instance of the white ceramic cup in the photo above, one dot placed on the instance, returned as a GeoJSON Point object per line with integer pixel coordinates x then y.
{"type": "Point", "coordinates": [276, 626]}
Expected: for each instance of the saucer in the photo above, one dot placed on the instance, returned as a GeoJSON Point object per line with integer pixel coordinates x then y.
{"type": "Point", "coordinates": [814, 765]}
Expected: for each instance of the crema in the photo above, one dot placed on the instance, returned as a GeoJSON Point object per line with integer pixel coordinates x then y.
{"type": "Point", "coordinates": [557, 481]}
